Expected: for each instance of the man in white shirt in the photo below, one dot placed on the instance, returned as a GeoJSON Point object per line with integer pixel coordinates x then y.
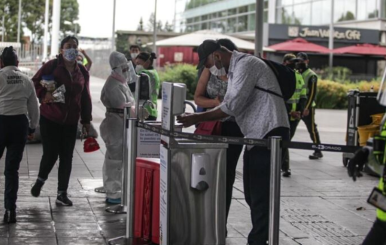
{"type": "Point", "coordinates": [19, 116]}
{"type": "Point", "coordinates": [259, 114]}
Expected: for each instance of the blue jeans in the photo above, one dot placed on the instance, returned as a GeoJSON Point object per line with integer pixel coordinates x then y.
{"type": "Point", "coordinates": [257, 170]}
{"type": "Point", "coordinates": [13, 136]}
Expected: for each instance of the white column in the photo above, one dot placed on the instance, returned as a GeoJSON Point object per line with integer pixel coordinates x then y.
{"type": "Point", "coordinates": [45, 38]}
{"type": "Point", "coordinates": [18, 23]}
{"type": "Point", "coordinates": [331, 38]}
{"type": "Point", "coordinates": [55, 28]}
{"type": "Point", "coordinates": [113, 34]}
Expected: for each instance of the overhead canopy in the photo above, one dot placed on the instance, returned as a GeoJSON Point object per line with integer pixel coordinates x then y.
{"type": "Point", "coordinates": [194, 39]}
{"type": "Point", "coordinates": [299, 45]}
{"type": "Point", "coordinates": [362, 49]}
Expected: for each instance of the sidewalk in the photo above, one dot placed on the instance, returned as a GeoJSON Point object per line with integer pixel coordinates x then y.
{"type": "Point", "coordinates": [318, 206]}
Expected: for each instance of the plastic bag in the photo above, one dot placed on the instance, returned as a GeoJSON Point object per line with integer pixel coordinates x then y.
{"type": "Point", "coordinates": [48, 82]}
{"type": "Point", "coordinates": [58, 94]}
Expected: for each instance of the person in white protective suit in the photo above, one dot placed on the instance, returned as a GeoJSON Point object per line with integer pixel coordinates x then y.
{"type": "Point", "coordinates": [115, 96]}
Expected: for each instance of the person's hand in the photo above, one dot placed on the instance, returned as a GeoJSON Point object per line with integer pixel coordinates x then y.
{"type": "Point", "coordinates": [187, 119]}
{"type": "Point", "coordinates": [306, 112]}
{"type": "Point", "coordinates": [295, 114]}
{"type": "Point", "coordinates": [48, 98]}
{"type": "Point", "coordinates": [31, 136]}
{"type": "Point", "coordinates": [82, 51]}
{"type": "Point", "coordinates": [217, 100]}
{"type": "Point", "coordinates": [86, 129]}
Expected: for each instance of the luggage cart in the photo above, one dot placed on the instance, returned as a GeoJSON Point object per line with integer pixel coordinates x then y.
{"type": "Point", "coordinates": [361, 105]}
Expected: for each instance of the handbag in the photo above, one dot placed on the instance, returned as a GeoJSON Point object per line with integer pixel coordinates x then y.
{"type": "Point", "coordinates": [209, 128]}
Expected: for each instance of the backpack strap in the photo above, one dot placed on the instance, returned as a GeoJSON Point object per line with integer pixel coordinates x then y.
{"type": "Point", "coordinates": [269, 91]}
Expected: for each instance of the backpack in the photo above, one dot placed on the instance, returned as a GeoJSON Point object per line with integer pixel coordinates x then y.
{"type": "Point", "coordinates": [286, 78]}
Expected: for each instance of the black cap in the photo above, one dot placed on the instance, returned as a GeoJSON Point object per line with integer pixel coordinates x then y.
{"type": "Point", "coordinates": [302, 56]}
{"type": "Point", "coordinates": [205, 49]}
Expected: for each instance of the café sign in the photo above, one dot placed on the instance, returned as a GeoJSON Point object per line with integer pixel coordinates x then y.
{"type": "Point", "coordinates": [295, 31]}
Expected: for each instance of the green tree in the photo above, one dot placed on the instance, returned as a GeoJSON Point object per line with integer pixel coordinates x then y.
{"type": "Point", "coordinates": [168, 27]}
{"type": "Point", "coordinates": [33, 17]}
{"type": "Point", "coordinates": [140, 25]}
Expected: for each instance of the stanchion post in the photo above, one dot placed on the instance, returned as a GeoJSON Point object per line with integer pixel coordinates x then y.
{"type": "Point", "coordinates": [132, 157]}
{"type": "Point", "coordinates": [274, 195]}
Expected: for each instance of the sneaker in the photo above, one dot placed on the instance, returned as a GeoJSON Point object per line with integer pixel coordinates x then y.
{"type": "Point", "coordinates": [35, 190]}
{"type": "Point", "coordinates": [287, 173]}
{"type": "Point", "coordinates": [9, 216]}
{"type": "Point", "coordinates": [113, 200]}
{"type": "Point", "coordinates": [63, 200]}
{"type": "Point", "coordinates": [315, 156]}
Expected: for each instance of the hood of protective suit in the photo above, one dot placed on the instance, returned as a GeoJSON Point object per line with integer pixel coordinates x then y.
{"type": "Point", "coordinates": [119, 66]}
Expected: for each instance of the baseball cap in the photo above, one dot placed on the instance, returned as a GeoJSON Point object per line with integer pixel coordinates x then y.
{"type": "Point", "coordinates": [205, 49]}
{"type": "Point", "coordinates": [290, 57]}
{"type": "Point", "coordinates": [302, 56]}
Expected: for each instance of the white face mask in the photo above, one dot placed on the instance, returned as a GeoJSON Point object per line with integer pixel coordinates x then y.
{"type": "Point", "coordinates": [134, 55]}
{"type": "Point", "coordinates": [139, 68]}
{"type": "Point", "coordinates": [218, 72]}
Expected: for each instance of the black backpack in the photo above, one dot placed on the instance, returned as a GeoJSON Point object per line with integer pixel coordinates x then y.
{"type": "Point", "coordinates": [286, 78]}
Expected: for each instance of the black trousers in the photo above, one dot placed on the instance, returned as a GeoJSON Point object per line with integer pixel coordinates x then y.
{"type": "Point", "coordinates": [229, 128]}
{"type": "Point", "coordinates": [286, 159]}
{"type": "Point", "coordinates": [58, 141]}
{"type": "Point", "coordinates": [13, 136]}
{"type": "Point", "coordinates": [377, 234]}
{"type": "Point", "coordinates": [257, 170]}
{"type": "Point", "coordinates": [312, 127]}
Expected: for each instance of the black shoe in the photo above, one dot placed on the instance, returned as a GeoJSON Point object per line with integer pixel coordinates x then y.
{"type": "Point", "coordinates": [315, 156]}
{"type": "Point", "coordinates": [9, 216]}
{"type": "Point", "coordinates": [35, 190]}
{"type": "Point", "coordinates": [63, 200]}
{"type": "Point", "coordinates": [287, 173]}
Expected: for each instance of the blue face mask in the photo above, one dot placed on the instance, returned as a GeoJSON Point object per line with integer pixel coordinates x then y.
{"type": "Point", "coordinates": [70, 54]}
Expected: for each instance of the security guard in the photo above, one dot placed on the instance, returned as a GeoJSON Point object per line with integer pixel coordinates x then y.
{"type": "Point", "coordinates": [374, 155]}
{"type": "Point", "coordinates": [311, 81]}
{"type": "Point", "coordinates": [295, 106]}
{"type": "Point", "coordinates": [19, 116]}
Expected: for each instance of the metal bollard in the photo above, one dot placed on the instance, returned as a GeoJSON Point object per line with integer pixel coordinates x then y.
{"type": "Point", "coordinates": [129, 184]}
{"type": "Point", "coordinates": [122, 208]}
{"type": "Point", "coordinates": [274, 195]}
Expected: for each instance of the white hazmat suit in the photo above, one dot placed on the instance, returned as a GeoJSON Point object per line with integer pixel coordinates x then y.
{"type": "Point", "coordinates": [116, 95]}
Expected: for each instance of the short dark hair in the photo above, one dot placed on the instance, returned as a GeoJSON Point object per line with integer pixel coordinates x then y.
{"type": "Point", "coordinates": [146, 56]}
{"type": "Point", "coordinates": [134, 46]}
{"type": "Point", "coordinates": [9, 56]}
{"type": "Point", "coordinates": [68, 38]}
{"type": "Point", "coordinates": [231, 46]}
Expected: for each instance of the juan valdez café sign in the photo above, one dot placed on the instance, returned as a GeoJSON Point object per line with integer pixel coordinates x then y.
{"type": "Point", "coordinates": [295, 31]}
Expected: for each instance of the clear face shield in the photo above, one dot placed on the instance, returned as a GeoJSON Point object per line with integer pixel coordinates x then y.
{"type": "Point", "coordinates": [132, 74]}
{"type": "Point", "coordinates": [382, 91]}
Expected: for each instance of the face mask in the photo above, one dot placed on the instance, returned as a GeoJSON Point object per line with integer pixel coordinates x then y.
{"type": "Point", "coordinates": [134, 55]}
{"type": "Point", "coordinates": [80, 62]}
{"type": "Point", "coordinates": [70, 54]}
{"type": "Point", "coordinates": [301, 66]}
{"type": "Point", "coordinates": [292, 66]}
{"type": "Point", "coordinates": [139, 68]}
{"type": "Point", "coordinates": [218, 72]}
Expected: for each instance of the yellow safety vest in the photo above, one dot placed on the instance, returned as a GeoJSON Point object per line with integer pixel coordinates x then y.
{"type": "Point", "coordinates": [380, 214]}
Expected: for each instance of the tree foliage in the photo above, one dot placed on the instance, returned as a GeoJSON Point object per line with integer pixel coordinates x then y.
{"type": "Point", "coordinates": [32, 17]}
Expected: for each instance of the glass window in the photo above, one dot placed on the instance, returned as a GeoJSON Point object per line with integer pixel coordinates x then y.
{"type": "Point", "coordinates": [301, 1]}
{"type": "Point", "coordinates": [231, 26]}
{"type": "Point", "coordinates": [252, 7]}
{"type": "Point", "coordinates": [344, 10]}
{"type": "Point", "coordinates": [213, 16]}
{"type": "Point", "coordinates": [242, 24]}
{"type": "Point", "coordinates": [243, 9]}
{"type": "Point", "coordinates": [383, 8]}
{"type": "Point", "coordinates": [196, 27]}
{"type": "Point", "coordinates": [189, 21]}
{"type": "Point", "coordinates": [189, 28]}
{"type": "Point", "coordinates": [204, 26]}
{"type": "Point", "coordinates": [204, 17]}
{"type": "Point", "coordinates": [284, 2]}
{"type": "Point", "coordinates": [232, 12]}
{"type": "Point", "coordinates": [321, 12]}
{"type": "Point", "coordinates": [367, 9]}
{"type": "Point", "coordinates": [251, 22]}
{"type": "Point", "coordinates": [222, 14]}
{"type": "Point", "coordinates": [218, 25]}
{"type": "Point", "coordinates": [265, 18]}
{"type": "Point", "coordinates": [197, 19]}
{"type": "Point", "coordinates": [302, 14]}
{"type": "Point", "coordinates": [284, 15]}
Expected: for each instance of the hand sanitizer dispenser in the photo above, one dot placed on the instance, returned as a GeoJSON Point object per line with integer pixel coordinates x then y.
{"type": "Point", "coordinates": [200, 173]}
{"type": "Point", "coordinates": [179, 97]}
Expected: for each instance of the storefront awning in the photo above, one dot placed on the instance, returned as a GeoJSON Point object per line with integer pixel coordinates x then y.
{"type": "Point", "coordinates": [299, 45]}
{"type": "Point", "coordinates": [196, 38]}
{"type": "Point", "coordinates": [362, 49]}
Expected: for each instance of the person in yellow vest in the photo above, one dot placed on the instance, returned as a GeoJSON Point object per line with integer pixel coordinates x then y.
{"type": "Point", "coordinates": [311, 81]}
{"type": "Point", "coordinates": [295, 107]}
{"type": "Point", "coordinates": [374, 156]}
